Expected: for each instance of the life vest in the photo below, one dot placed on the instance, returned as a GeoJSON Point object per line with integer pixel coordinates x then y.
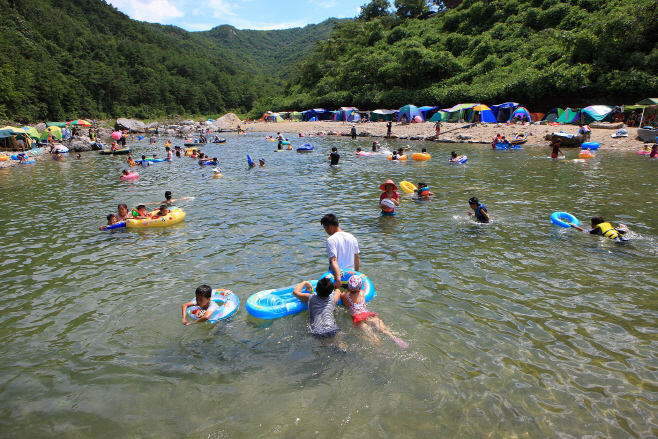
{"type": "Point", "coordinates": [423, 191]}
{"type": "Point", "coordinates": [607, 230]}
{"type": "Point", "coordinates": [478, 213]}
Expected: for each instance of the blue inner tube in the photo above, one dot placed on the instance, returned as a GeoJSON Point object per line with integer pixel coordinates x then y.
{"type": "Point", "coordinates": [388, 213]}
{"type": "Point", "coordinates": [118, 225]}
{"type": "Point", "coordinates": [272, 304]}
{"type": "Point", "coordinates": [228, 305]}
{"type": "Point", "coordinates": [249, 160]}
{"type": "Point", "coordinates": [27, 162]}
{"type": "Point", "coordinates": [558, 217]}
{"type": "Point", "coordinates": [590, 145]}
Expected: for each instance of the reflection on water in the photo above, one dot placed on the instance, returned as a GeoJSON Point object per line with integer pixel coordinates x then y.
{"type": "Point", "coordinates": [516, 328]}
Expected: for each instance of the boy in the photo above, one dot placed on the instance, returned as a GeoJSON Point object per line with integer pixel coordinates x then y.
{"type": "Point", "coordinates": [334, 156]}
{"type": "Point", "coordinates": [111, 220]}
{"type": "Point", "coordinates": [602, 228]}
{"type": "Point", "coordinates": [481, 213]}
{"type": "Point", "coordinates": [140, 212]}
{"type": "Point", "coordinates": [164, 210]}
{"type": "Point", "coordinates": [321, 306]}
{"type": "Point", "coordinates": [206, 306]}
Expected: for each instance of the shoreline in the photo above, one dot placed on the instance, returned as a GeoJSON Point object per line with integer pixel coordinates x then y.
{"type": "Point", "coordinates": [451, 132]}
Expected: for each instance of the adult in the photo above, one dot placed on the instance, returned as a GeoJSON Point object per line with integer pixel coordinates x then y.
{"type": "Point", "coordinates": [122, 213]}
{"type": "Point", "coordinates": [334, 156]}
{"type": "Point", "coordinates": [631, 119]}
{"type": "Point", "coordinates": [353, 132]}
{"type": "Point", "coordinates": [122, 140]}
{"type": "Point", "coordinates": [585, 132]}
{"type": "Point", "coordinates": [389, 127]}
{"type": "Point", "coordinates": [342, 248]}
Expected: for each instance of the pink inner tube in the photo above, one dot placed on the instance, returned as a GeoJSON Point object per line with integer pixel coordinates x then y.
{"type": "Point", "coordinates": [364, 153]}
{"type": "Point", "coordinates": [130, 176]}
{"type": "Point", "coordinates": [644, 152]}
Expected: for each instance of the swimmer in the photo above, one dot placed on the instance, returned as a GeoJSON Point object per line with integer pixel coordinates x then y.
{"type": "Point", "coordinates": [391, 193]}
{"type": "Point", "coordinates": [453, 157]}
{"type": "Point", "coordinates": [218, 172]}
{"type": "Point", "coordinates": [261, 162]}
{"type": "Point", "coordinates": [164, 210]}
{"type": "Point", "coordinates": [140, 212]}
{"type": "Point", "coordinates": [481, 213]}
{"type": "Point", "coordinates": [375, 145]}
{"type": "Point", "coordinates": [78, 156]}
{"type": "Point", "coordinates": [111, 220]}
{"type": "Point", "coordinates": [603, 228]}
{"type": "Point", "coordinates": [206, 307]}
{"type": "Point", "coordinates": [334, 156]}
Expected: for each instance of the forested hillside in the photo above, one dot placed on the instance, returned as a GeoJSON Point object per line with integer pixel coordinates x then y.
{"type": "Point", "coordinates": [83, 58]}
{"type": "Point", "coordinates": [542, 53]}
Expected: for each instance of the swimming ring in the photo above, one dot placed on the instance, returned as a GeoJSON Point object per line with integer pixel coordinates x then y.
{"type": "Point", "coordinates": [407, 187]}
{"type": "Point", "coordinates": [174, 216]}
{"type": "Point", "coordinates": [591, 145]}
{"type": "Point", "coordinates": [585, 154]}
{"type": "Point", "coordinates": [118, 225]}
{"type": "Point", "coordinates": [27, 162]}
{"type": "Point", "coordinates": [130, 176]}
{"type": "Point", "coordinates": [557, 219]}
{"type": "Point", "coordinates": [250, 161]}
{"type": "Point", "coordinates": [272, 304]}
{"type": "Point", "coordinates": [420, 156]}
{"type": "Point", "coordinates": [368, 287]}
{"type": "Point", "coordinates": [228, 303]}
{"type": "Point", "coordinates": [400, 157]}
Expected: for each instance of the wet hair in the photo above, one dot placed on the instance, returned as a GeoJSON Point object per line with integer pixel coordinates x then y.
{"type": "Point", "coordinates": [329, 220]}
{"type": "Point", "coordinates": [168, 195]}
{"type": "Point", "coordinates": [324, 287]}
{"type": "Point", "coordinates": [358, 149]}
{"type": "Point", "coordinates": [334, 149]}
{"type": "Point", "coordinates": [122, 204]}
{"type": "Point", "coordinates": [110, 216]}
{"type": "Point", "coordinates": [597, 220]}
{"type": "Point", "coordinates": [163, 206]}
{"type": "Point", "coordinates": [143, 157]}
{"type": "Point", "coordinates": [204, 290]}
{"type": "Point", "coordinates": [423, 150]}
{"type": "Point", "coordinates": [167, 148]}
{"type": "Point", "coordinates": [421, 184]}
{"type": "Point", "coordinates": [474, 200]}
{"type": "Point", "coordinates": [124, 172]}
{"type": "Point", "coordinates": [454, 154]}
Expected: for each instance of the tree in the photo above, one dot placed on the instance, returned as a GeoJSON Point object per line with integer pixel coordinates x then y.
{"type": "Point", "coordinates": [411, 8]}
{"type": "Point", "coordinates": [375, 9]}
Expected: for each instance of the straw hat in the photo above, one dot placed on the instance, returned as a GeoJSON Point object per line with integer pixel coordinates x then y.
{"type": "Point", "coordinates": [382, 187]}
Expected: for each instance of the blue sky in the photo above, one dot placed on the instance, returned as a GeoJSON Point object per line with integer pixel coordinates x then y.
{"type": "Point", "coordinates": [197, 15]}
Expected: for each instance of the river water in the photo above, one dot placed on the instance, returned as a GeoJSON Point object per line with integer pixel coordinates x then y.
{"type": "Point", "coordinates": [516, 328]}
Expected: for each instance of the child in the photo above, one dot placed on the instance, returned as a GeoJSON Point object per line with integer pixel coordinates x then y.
{"type": "Point", "coordinates": [321, 306]}
{"type": "Point", "coordinates": [556, 148]}
{"type": "Point", "coordinates": [111, 219]}
{"type": "Point", "coordinates": [78, 156]}
{"type": "Point", "coordinates": [394, 156]}
{"type": "Point", "coordinates": [390, 192]}
{"type": "Point", "coordinates": [481, 213]}
{"type": "Point", "coordinates": [423, 192]}
{"type": "Point", "coordinates": [261, 162]}
{"type": "Point", "coordinates": [356, 302]}
{"type": "Point", "coordinates": [206, 306]}
{"type": "Point", "coordinates": [453, 157]}
{"type": "Point", "coordinates": [218, 172]}
{"type": "Point", "coordinates": [130, 160]}
{"type": "Point", "coordinates": [145, 162]}
{"type": "Point", "coordinates": [169, 154]}
{"type": "Point", "coordinates": [654, 151]}
{"type": "Point", "coordinates": [164, 210]}
{"type": "Point", "coordinates": [602, 228]}
{"type": "Point", "coordinates": [140, 212]}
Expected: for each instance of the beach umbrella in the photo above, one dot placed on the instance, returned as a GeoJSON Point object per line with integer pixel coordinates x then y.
{"type": "Point", "coordinates": [53, 130]}
{"type": "Point", "coordinates": [116, 135]}
{"type": "Point", "coordinates": [80, 123]}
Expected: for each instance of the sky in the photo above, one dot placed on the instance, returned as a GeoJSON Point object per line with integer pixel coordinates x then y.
{"type": "Point", "coordinates": [198, 15]}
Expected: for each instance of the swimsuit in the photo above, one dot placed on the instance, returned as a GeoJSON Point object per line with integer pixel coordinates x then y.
{"type": "Point", "coordinates": [358, 311]}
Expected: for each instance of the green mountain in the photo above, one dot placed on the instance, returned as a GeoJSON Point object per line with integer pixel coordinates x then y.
{"type": "Point", "coordinates": [543, 53]}
{"type": "Point", "coordinates": [83, 58]}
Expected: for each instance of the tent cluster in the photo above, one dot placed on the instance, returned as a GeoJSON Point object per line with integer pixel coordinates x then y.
{"type": "Point", "coordinates": [56, 130]}
{"type": "Point", "coordinates": [476, 112]}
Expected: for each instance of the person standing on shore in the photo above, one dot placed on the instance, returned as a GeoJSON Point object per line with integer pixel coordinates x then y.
{"type": "Point", "coordinates": [342, 248]}
{"type": "Point", "coordinates": [389, 127]}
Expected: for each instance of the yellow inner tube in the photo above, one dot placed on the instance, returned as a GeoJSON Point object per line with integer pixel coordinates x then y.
{"type": "Point", "coordinates": [408, 187]}
{"type": "Point", "coordinates": [174, 216]}
{"type": "Point", "coordinates": [420, 156]}
{"type": "Point", "coordinates": [400, 157]}
{"type": "Point", "coordinates": [3, 158]}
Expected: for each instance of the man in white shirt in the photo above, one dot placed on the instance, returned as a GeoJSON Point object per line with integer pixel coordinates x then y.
{"type": "Point", "coordinates": [342, 248]}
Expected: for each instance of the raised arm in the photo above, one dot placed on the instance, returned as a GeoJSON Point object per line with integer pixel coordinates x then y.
{"type": "Point", "coordinates": [297, 291]}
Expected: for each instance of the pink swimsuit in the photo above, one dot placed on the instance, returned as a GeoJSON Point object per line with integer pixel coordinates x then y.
{"type": "Point", "coordinates": [358, 311]}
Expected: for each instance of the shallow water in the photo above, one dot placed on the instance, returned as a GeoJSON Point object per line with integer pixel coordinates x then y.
{"type": "Point", "coordinates": [516, 328]}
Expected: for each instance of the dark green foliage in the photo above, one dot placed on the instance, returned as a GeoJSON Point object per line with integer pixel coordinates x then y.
{"type": "Point", "coordinates": [411, 8]}
{"type": "Point", "coordinates": [82, 58]}
{"type": "Point", "coordinates": [375, 9]}
{"type": "Point", "coordinates": [543, 53]}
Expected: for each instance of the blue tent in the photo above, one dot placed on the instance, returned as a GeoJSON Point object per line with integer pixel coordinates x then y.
{"type": "Point", "coordinates": [409, 112]}
{"type": "Point", "coordinates": [503, 112]}
{"type": "Point", "coordinates": [346, 114]}
{"type": "Point", "coordinates": [316, 114]}
{"type": "Point", "coordinates": [522, 113]}
{"type": "Point", "coordinates": [480, 113]}
{"type": "Point", "coordinates": [428, 112]}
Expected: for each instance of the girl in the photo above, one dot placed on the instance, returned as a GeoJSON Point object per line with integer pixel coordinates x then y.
{"type": "Point", "coordinates": [356, 302]}
{"type": "Point", "coordinates": [390, 192]}
{"type": "Point", "coordinates": [423, 191]}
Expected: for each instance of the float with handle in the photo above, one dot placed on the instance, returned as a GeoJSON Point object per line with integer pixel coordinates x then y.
{"type": "Point", "coordinates": [175, 216]}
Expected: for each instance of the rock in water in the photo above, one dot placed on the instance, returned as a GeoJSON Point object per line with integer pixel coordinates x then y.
{"type": "Point", "coordinates": [229, 121]}
{"type": "Point", "coordinates": [79, 144]}
{"type": "Point", "coordinates": [135, 126]}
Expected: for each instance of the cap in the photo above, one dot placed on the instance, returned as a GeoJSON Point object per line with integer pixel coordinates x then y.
{"type": "Point", "coordinates": [355, 283]}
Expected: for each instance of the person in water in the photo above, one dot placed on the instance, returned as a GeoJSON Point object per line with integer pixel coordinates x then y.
{"type": "Point", "coordinates": [140, 212]}
{"type": "Point", "coordinates": [654, 151]}
{"type": "Point", "coordinates": [169, 154]}
{"type": "Point", "coordinates": [78, 156]}
{"type": "Point", "coordinates": [362, 318]}
{"type": "Point", "coordinates": [130, 160]}
{"type": "Point", "coordinates": [358, 150]}
{"type": "Point", "coordinates": [390, 193]}
{"type": "Point", "coordinates": [453, 157]}
{"type": "Point", "coordinates": [423, 192]}
{"type": "Point", "coordinates": [144, 162]}
{"type": "Point", "coordinates": [122, 212]}
{"type": "Point", "coordinates": [111, 220]}
{"type": "Point", "coordinates": [479, 210]}
{"type": "Point", "coordinates": [334, 156]}
{"type": "Point", "coordinates": [556, 148]}
{"type": "Point", "coordinates": [164, 211]}
{"type": "Point", "coordinates": [375, 145]}
{"type": "Point", "coordinates": [321, 306]}
{"type": "Point", "coordinates": [603, 228]}
{"type": "Point", "coordinates": [342, 248]}
{"type": "Point", "coordinates": [261, 162]}
{"type": "Point", "coordinates": [353, 132]}
{"type": "Point", "coordinates": [394, 155]}
{"type": "Point", "coordinates": [204, 307]}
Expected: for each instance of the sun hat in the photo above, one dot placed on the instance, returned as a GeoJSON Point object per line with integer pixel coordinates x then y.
{"type": "Point", "coordinates": [382, 187]}
{"type": "Point", "coordinates": [355, 282]}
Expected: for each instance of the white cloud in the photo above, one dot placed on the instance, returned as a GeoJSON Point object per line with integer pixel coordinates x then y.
{"type": "Point", "coordinates": [324, 4]}
{"type": "Point", "coordinates": [259, 25]}
{"type": "Point", "coordinates": [222, 8]}
{"type": "Point", "coordinates": [153, 11]}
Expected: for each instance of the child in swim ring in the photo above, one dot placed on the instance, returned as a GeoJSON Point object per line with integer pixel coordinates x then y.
{"type": "Point", "coordinates": [204, 307]}
{"type": "Point", "coordinates": [423, 191]}
{"type": "Point", "coordinates": [130, 160]}
{"type": "Point", "coordinates": [140, 212]}
{"type": "Point", "coordinates": [111, 219]}
{"type": "Point", "coordinates": [164, 210]}
{"type": "Point", "coordinates": [390, 192]}
{"type": "Point", "coordinates": [356, 302]}
{"type": "Point", "coordinates": [453, 157]}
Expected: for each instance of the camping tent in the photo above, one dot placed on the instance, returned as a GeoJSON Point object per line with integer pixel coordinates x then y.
{"type": "Point", "coordinates": [428, 111]}
{"type": "Point", "coordinates": [296, 116]}
{"type": "Point", "coordinates": [522, 113]}
{"type": "Point", "coordinates": [480, 113]}
{"type": "Point", "coordinates": [570, 115]}
{"type": "Point", "coordinates": [648, 101]}
{"type": "Point", "coordinates": [503, 112]}
{"type": "Point", "coordinates": [53, 130]}
{"type": "Point", "coordinates": [409, 112]}
{"type": "Point", "coordinates": [273, 117]}
{"type": "Point", "coordinates": [553, 115]}
{"type": "Point", "coordinates": [440, 116]}
{"type": "Point", "coordinates": [316, 114]}
{"type": "Point", "coordinates": [346, 114]}
{"type": "Point", "coordinates": [457, 112]}
{"type": "Point", "coordinates": [382, 115]}
{"type": "Point", "coordinates": [595, 113]}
